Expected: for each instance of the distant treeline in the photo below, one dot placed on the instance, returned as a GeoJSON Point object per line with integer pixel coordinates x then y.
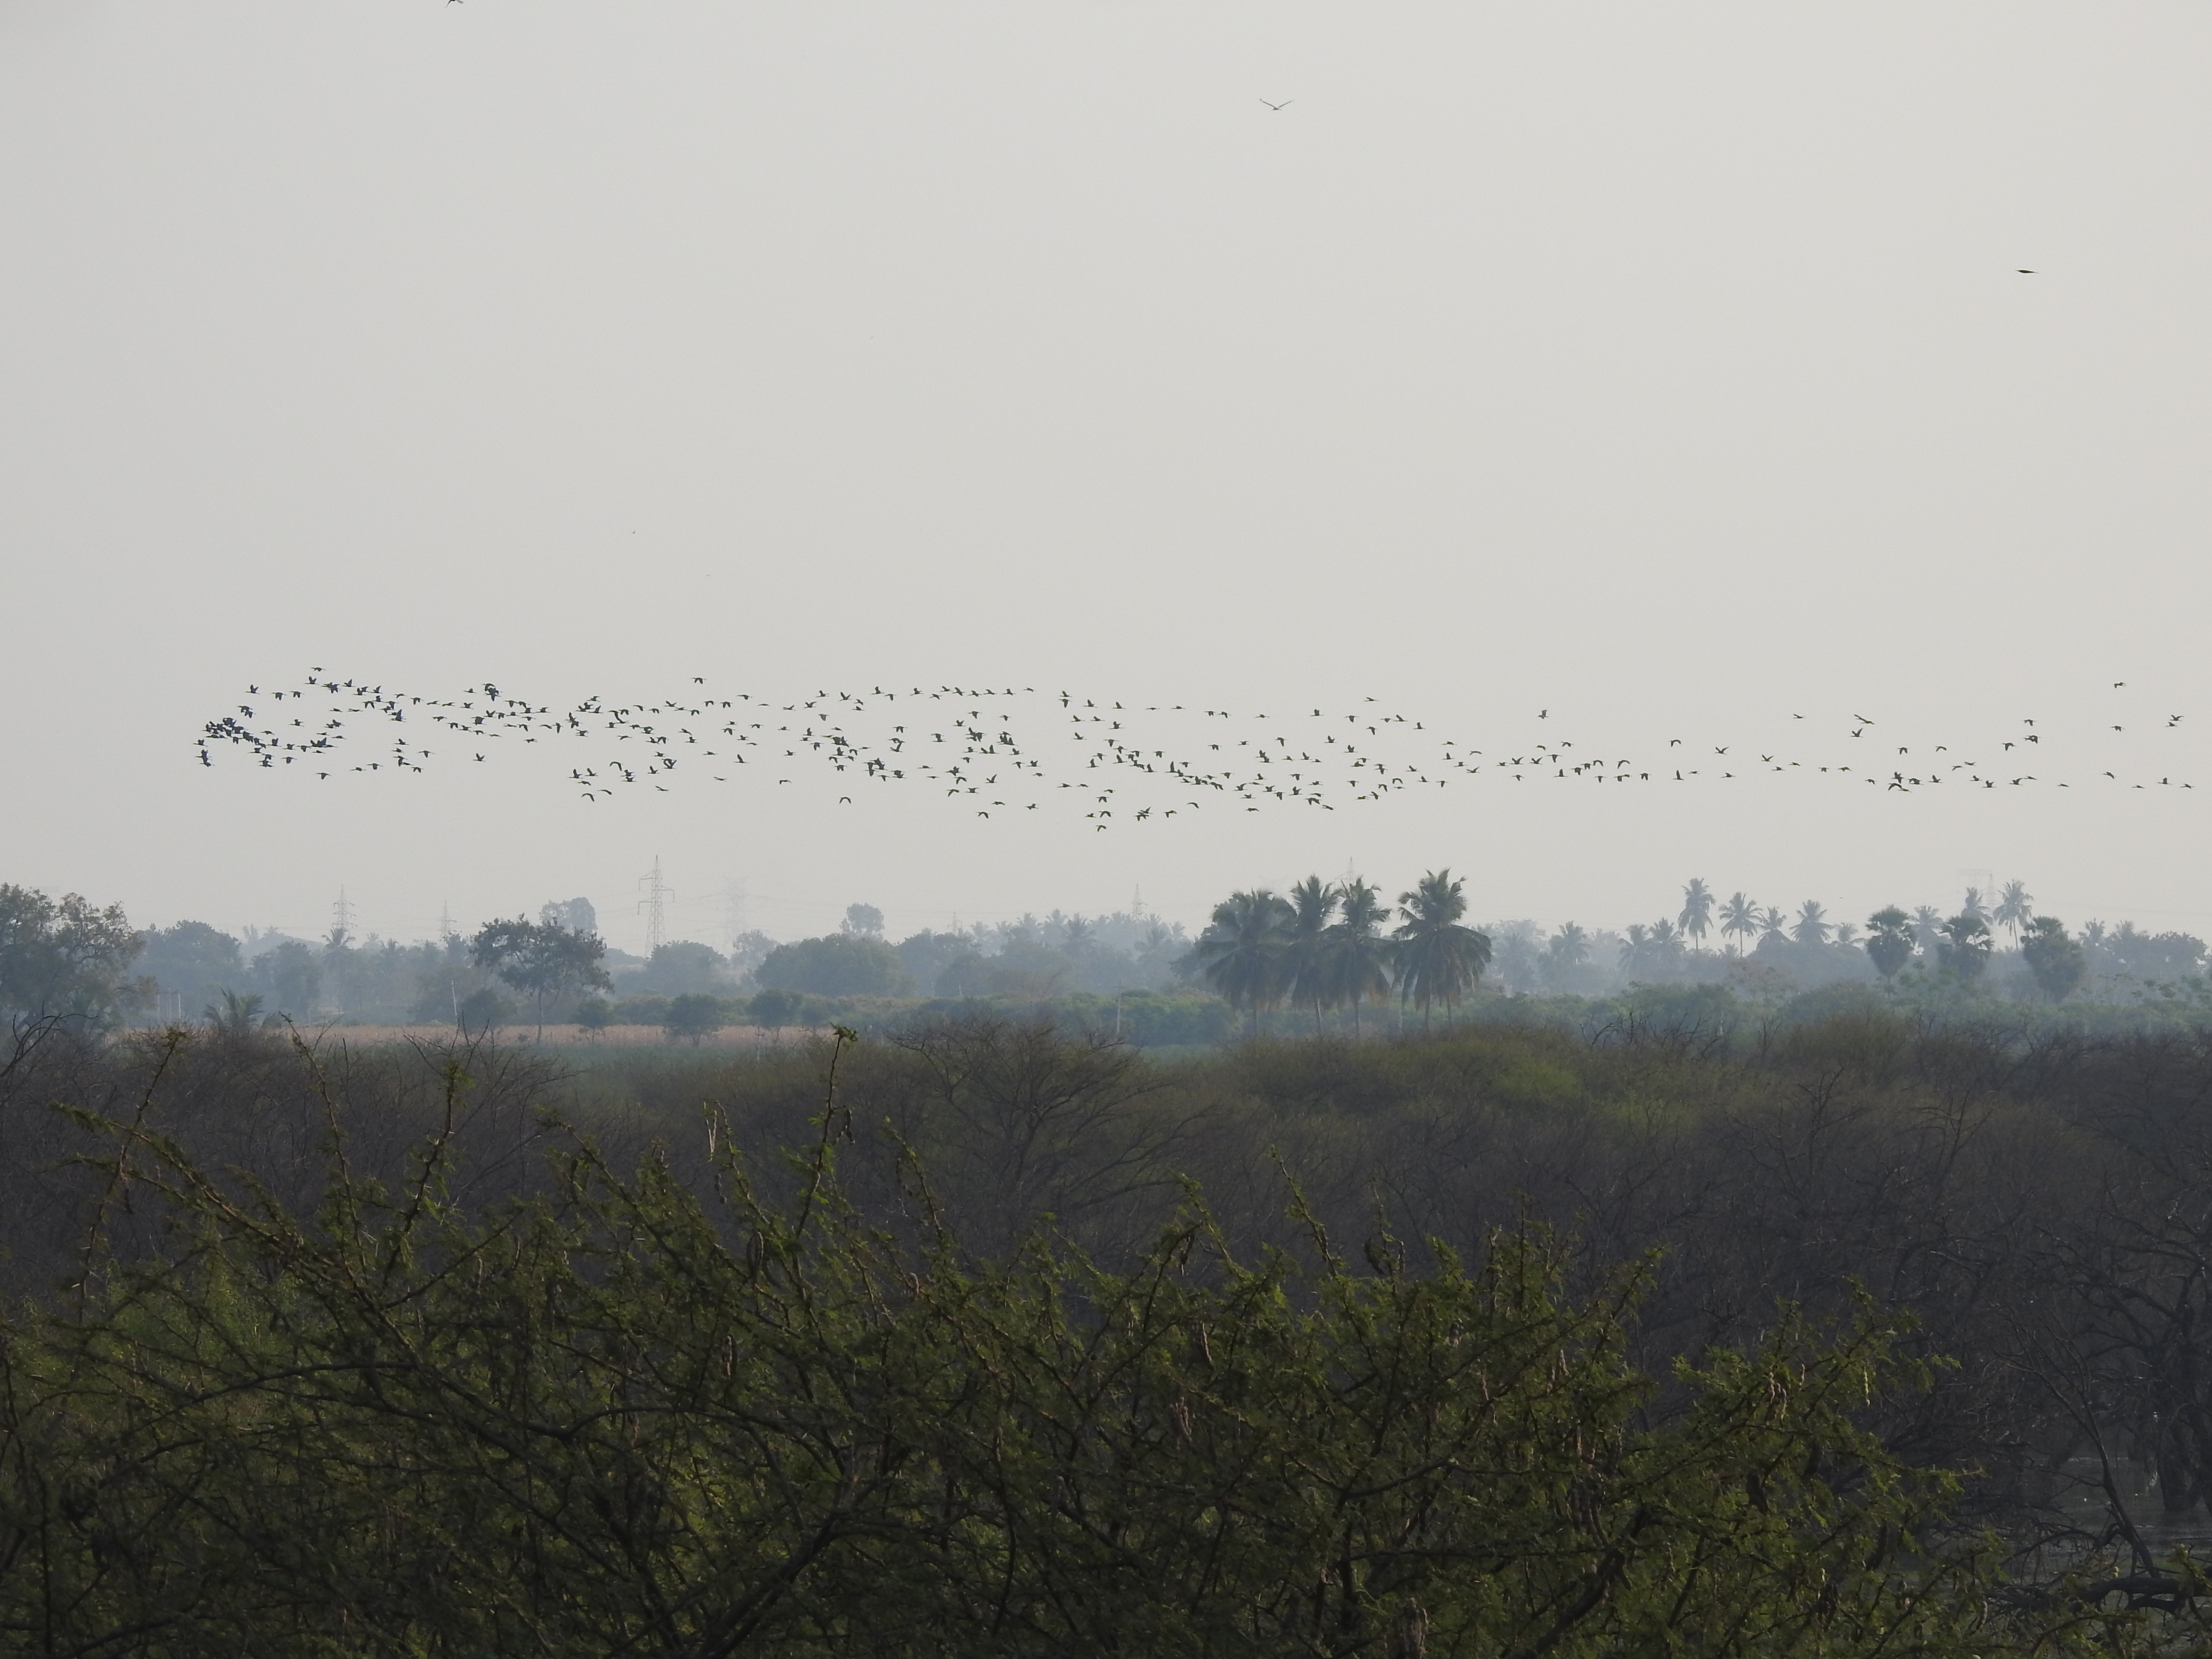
{"type": "Point", "coordinates": [1328, 946]}
{"type": "Point", "coordinates": [1324, 956]}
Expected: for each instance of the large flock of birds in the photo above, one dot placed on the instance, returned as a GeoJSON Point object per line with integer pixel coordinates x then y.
{"type": "Point", "coordinates": [1012, 750]}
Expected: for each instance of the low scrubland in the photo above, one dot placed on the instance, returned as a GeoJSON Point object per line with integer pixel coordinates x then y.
{"type": "Point", "coordinates": [1846, 1333]}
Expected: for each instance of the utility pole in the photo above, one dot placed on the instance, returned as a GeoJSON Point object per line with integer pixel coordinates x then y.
{"type": "Point", "coordinates": [444, 920]}
{"type": "Point", "coordinates": [341, 917]}
{"type": "Point", "coordinates": [655, 906]}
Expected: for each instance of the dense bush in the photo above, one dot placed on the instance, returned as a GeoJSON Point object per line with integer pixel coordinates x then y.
{"type": "Point", "coordinates": [2035, 1207]}
{"type": "Point", "coordinates": [616, 1419]}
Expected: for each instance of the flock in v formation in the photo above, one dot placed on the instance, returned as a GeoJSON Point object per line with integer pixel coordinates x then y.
{"type": "Point", "coordinates": [1015, 749]}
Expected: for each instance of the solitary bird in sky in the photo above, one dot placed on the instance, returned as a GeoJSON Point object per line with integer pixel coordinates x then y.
{"type": "Point", "coordinates": [1285, 105]}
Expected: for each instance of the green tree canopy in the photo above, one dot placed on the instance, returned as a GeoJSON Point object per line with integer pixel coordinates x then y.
{"type": "Point", "coordinates": [1966, 944]}
{"type": "Point", "coordinates": [678, 966]}
{"type": "Point", "coordinates": [1740, 917]}
{"type": "Point", "coordinates": [191, 964]}
{"type": "Point", "coordinates": [1438, 959]}
{"type": "Point", "coordinates": [64, 959]}
{"type": "Point", "coordinates": [1243, 952]}
{"type": "Point", "coordinates": [1889, 941]}
{"type": "Point", "coordinates": [2016, 908]}
{"type": "Point", "coordinates": [1696, 919]}
{"type": "Point", "coordinates": [694, 1016]}
{"type": "Point", "coordinates": [483, 1010]}
{"type": "Point", "coordinates": [1354, 953]}
{"type": "Point", "coordinates": [836, 965]}
{"type": "Point", "coordinates": [2054, 959]}
{"type": "Point", "coordinates": [541, 959]}
{"type": "Point", "coordinates": [1313, 902]}
{"type": "Point", "coordinates": [774, 1009]}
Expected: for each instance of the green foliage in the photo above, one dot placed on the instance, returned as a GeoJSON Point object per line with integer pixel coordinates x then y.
{"type": "Point", "coordinates": [190, 963]}
{"type": "Point", "coordinates": [2053, 957]}
{"type": "Point", "coordinates": [541, 959]}
{"type": "Point", "coordinates": [483, 1010]}
{"type": "Point", "coordinates": [234, 1013]}
{"type": "Point", "coordinates": [679, 967]}
{"type": "Point", "coordinates": [1966, 946]}
{"type": "Point", "coordinates": [1889, 941]}
{"type": "Point", "coordinates": [1696, 919]}
{"type": "Point", "coordinates": [1356, 957]}
{"type": "Point", "coordinates": [1243, 950]}
{"type": "Point", "coordinates": [837, 966]}
{"type": "Point", "coordinates": [1439, 960]}
{"type": "Point", "coordinates": [1313, 903]}
{"type": "Point", "coordinates": [62, 959]}
{"type": "Point", "coordinates": [620, 1419]}
{"type": "Point", "coordinates": [695, 1016]}
{"type": "Point", "coordinates": [775, 1009]}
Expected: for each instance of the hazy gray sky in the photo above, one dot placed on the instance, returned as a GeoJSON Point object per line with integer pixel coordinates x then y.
{"type": "Point", "coordinates": [1665, 365]}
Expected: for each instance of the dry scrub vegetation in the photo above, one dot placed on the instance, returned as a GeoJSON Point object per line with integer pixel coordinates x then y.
{"type": "Point", "coordinates": [1844, 1338]}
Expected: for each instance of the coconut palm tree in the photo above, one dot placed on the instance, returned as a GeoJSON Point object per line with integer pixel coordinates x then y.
{"type": "Point", "coordinates": [1889, 941]}
{"type": "Point", "coordinates": [235, 1013]}
{"type": "Point", "coordinates": [1974, 904]}
{"type": "Point", "coordinates": [1241, 952]}
{"type": "Point", "coordinates": [1697, 911]}
{"type": "Point", "coordinates": [1773, 924]}
{"type": "Point", "coordinates": [1438, 959]}
{"type": "Point", "coordinates": [1357, 958]}
{"type": "Point", "coordinates": [1739, 918]}
{"type": "Point", "coordinates": [1928, 929]}
{"type": "Point", "coordinates": [1312, 901]}
{"type": "Point", "coordinates": [1812, 927]}
{"type": "Point", "coordinates": [2015, 910]}
{"type": "Point", "coordinates": [1564, 952]}
{"type": "Point", "coordinates": [1668, 945]}
{"type": "Point", "coordinates": [1635, 947]}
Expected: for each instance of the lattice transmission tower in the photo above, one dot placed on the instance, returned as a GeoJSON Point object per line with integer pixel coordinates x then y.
{"type": "Point", "coordinates": [655, 906]}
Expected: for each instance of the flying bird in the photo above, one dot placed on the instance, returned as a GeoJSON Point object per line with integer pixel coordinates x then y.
{"type": "Point", "coordinates": [1285, 104]}
{"type": "Point", "coordinates": [958, 738]}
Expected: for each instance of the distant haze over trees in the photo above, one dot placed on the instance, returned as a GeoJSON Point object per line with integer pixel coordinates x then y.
{"type": "Point", "coordinates": [1314, 953]}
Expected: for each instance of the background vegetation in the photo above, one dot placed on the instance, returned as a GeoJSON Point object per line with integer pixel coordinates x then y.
{"type": "Point", "coordinates": [1319, 956]}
